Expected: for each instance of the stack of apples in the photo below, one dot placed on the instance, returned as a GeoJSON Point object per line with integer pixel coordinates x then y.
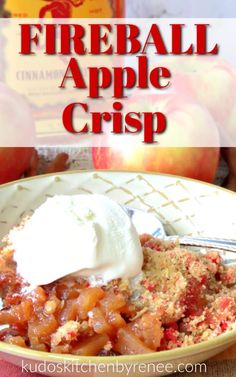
{"type": "Point", "coordinates": [211, 85]}
{"type": "Point", "coordinates": [212, 89]}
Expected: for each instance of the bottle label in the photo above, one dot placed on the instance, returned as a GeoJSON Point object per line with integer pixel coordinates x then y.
{"type": "Point", "coordinates": [64, 8]}
{"type": "Point", "coordinates": [38, 80]}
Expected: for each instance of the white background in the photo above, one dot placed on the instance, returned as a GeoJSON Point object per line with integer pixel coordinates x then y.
{"type": "Point", "coordinates": [181, 8]}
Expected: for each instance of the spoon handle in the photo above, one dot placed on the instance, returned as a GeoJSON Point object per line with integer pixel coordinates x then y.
{"type": "Point", "coordinates": [146, 222]}
{"type": "Point", "coordinates": [214, 243]}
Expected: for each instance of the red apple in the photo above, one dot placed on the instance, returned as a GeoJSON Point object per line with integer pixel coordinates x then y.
{"type": "Point", "coordinates": [210, 80]}
{"type": "Point", "coordinates": [214, 87]}
{"type": "Point", "coordinates": [188, 122]}
{"type": "Point", "coordinates": [14, 162]}
{"type": "Point", "coordinates": [198, 163]}
{"type": "Point", "coordinates": [17, 134]}
{"type": "Point", "coordinates": [229, 131]}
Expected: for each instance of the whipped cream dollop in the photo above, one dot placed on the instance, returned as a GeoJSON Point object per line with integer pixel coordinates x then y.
{"type": "Point", "coordinates": [87, 236]}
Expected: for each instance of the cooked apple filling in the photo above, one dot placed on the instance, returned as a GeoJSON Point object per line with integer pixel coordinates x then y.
{"type": "Point", "coordinates": [180, 298]}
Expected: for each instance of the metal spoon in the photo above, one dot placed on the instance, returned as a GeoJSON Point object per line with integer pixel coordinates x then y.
{"type": "Point", "coordinates": [145, 222]}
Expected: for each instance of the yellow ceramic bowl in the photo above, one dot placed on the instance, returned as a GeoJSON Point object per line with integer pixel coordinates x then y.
{"type": "Point", "coordinates": [184, 206]}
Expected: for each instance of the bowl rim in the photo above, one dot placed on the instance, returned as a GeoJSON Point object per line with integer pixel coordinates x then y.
{"type": "Point", "coordinates": [161, 356]}
{"type": "Point", "coordinates": [227, 338]}
{"type": "Point", "coordinates": [143, 172]}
